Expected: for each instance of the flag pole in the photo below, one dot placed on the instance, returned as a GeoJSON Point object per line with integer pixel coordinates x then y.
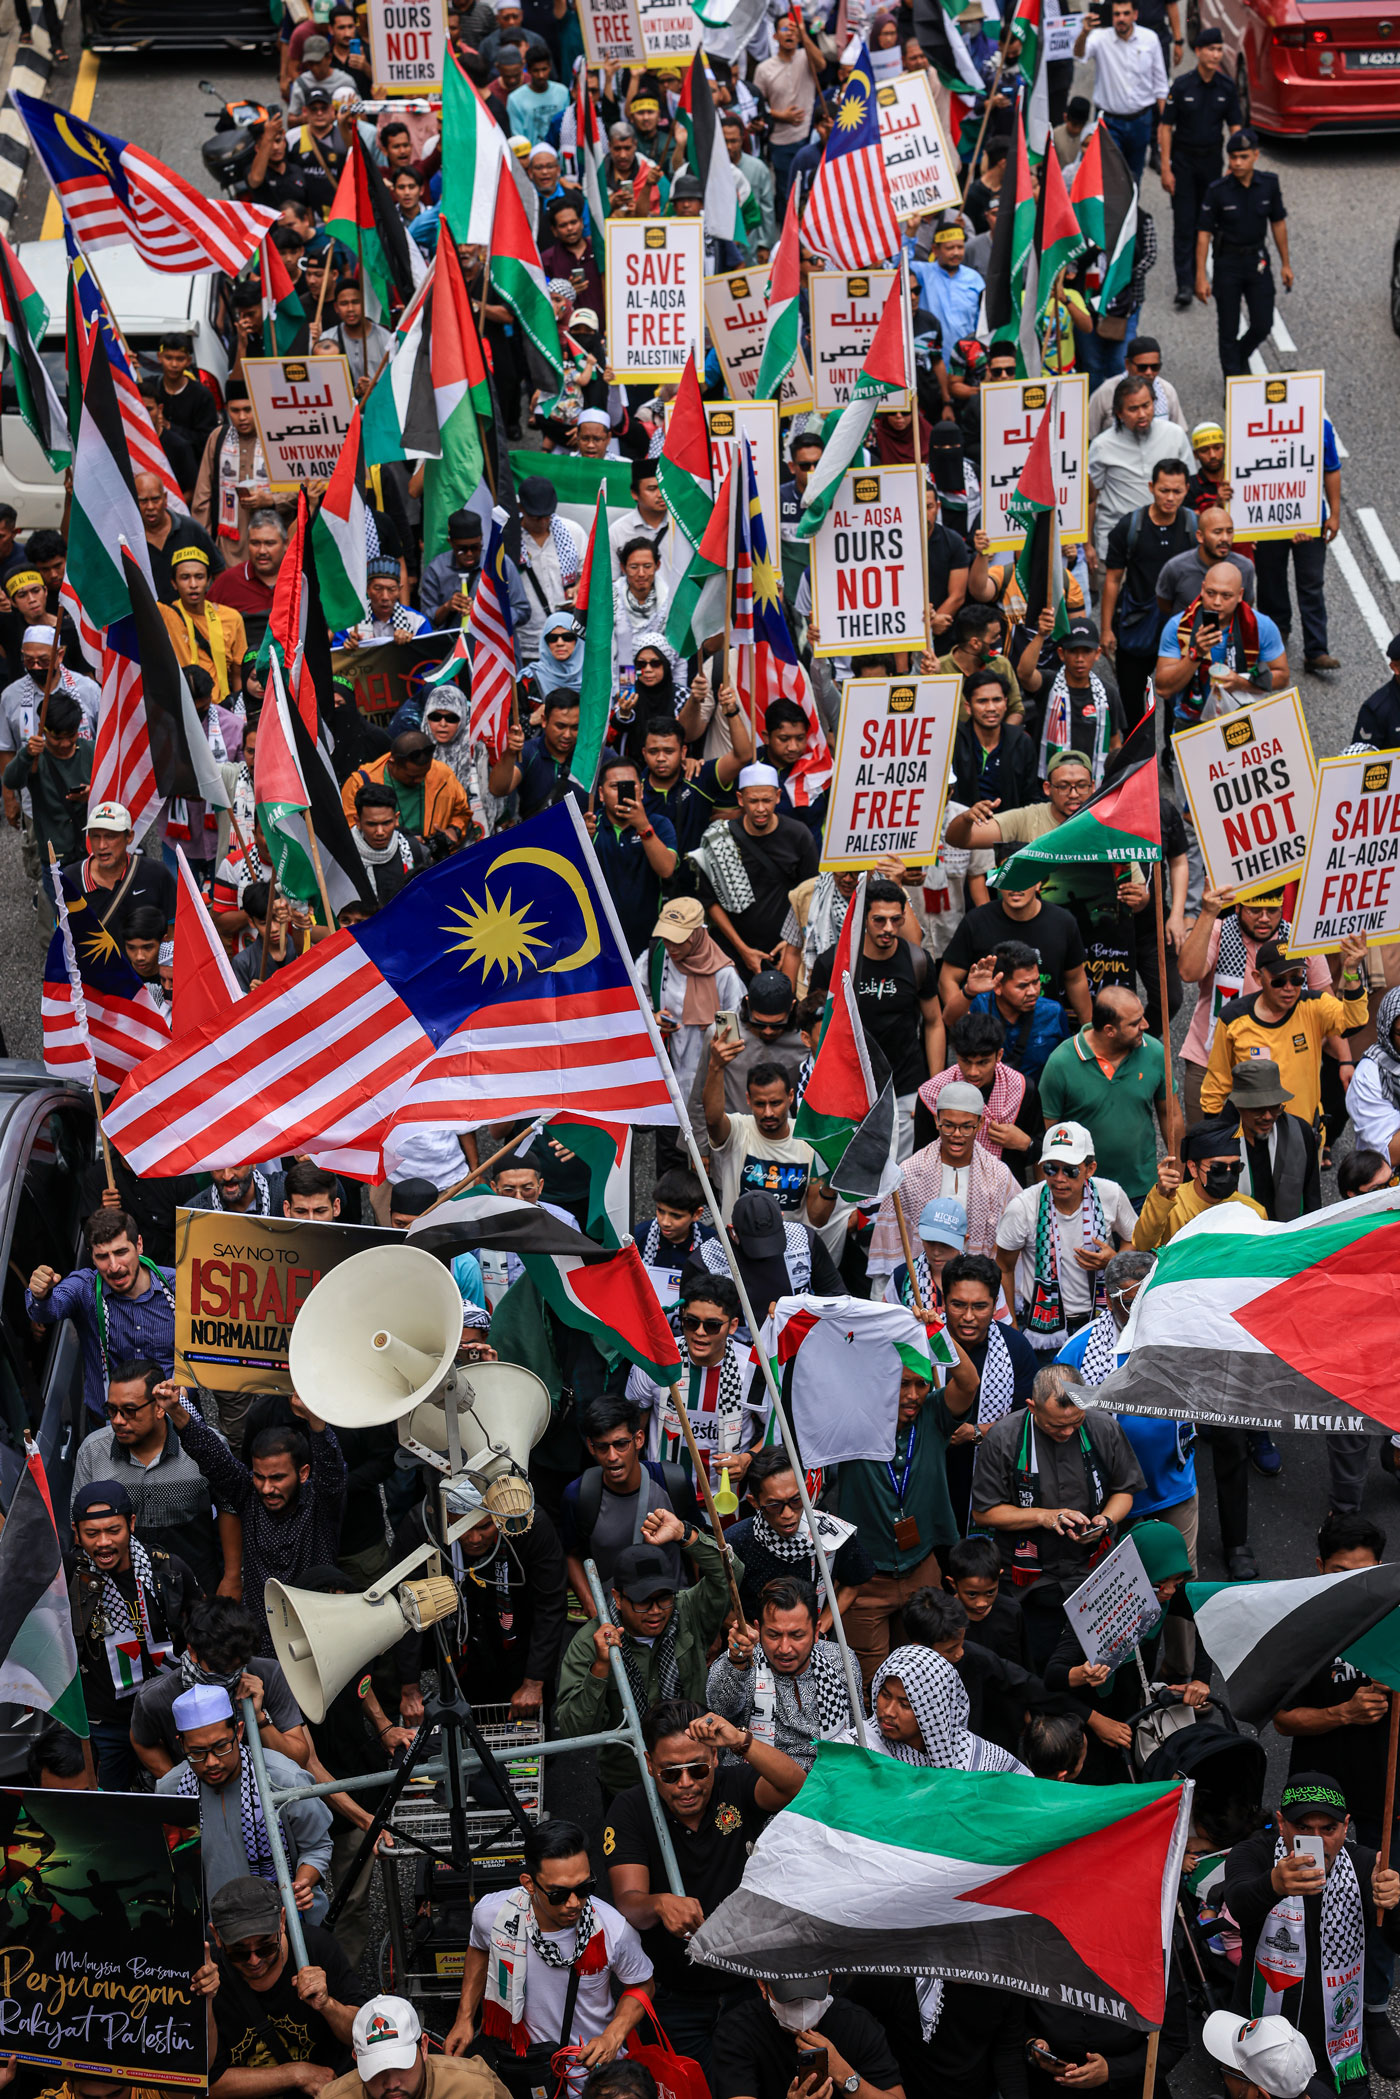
{"type": "Point", "coordinates": [112, 1179]}
{"type": "Point", "coordinates": [905, 329]}
{"type": "Point", "coordinates": [986, 115]}
{"type": "Point", "coordinates": [320, 874]}
{"type": "Point", "coordinates": [682, 1114]}
{"type": "Point", "coordinates": [267, 926]}
{"type": "Point", "coordinates": [1149, 2075]}
{"type": "Point", "coordinates": [902, 1221]}
{"type": "Point", "coordinates": [50, 678]}
{"type": "Point", "coordinates": [702, 1480]}
{"type": "Point", "coordinates": [1158, 884]}
{"type": "Point", "coordinates": [96, 1093]}
{"type": "Point", "coordinates": [1389, 1817]}
{"type": "Point", "coordinates": [476, 1173]}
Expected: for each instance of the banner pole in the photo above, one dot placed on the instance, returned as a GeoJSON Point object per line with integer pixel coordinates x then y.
{"type": "Point", "coordinates": [702, 1481]}
{"type": "Point", "coordinates": [1158, 885]}
{"type": "Point", "coordinates": [1389, 1816]}
{"type": "Point", "coordinates": [904, 1240]}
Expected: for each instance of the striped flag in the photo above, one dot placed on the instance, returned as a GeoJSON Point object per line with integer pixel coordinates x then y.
{"type": "Point", "coordinates": [113, 193]}
{"type": "Point", "coordinates": [593, 601]}
{"type": "Point", "coordinates": [473, 156]}
{"type": "Point", "coordinates": [205, 985]}
{"type": "Point", "coordinates": [849, 217]}
{"type": "Point", "coordinates": [777, 673]}
{"type": "Point", "coordinates": [614, 1302]}
{"type": "Point", "coordinates": [1105, 201]}
{"type": "Point", "coordinates": [338, 532]}
{"type": "Point", "coordinates": [285, 325]}
{"type": "Point", "coordinates": [887, 366]}
{"type": "Point", "coordinates": [517, 275]}
{"type": "Point", "coordinates": [783, 336]}
{"type": "Point", "coordinates": [493, 987]}
{"type": "Point", "coordinates": [707, 154]}
{"type": "Point", "coordinates": [1268, 1638]}
{"type": "Point", "coordinates": [490, 630]}
{"type": "Point", "coordinates": [1040, 565]}
{"type": "Point", "coordinates": [364, 215]}
{"type": "Point", "coordinates": [91, 315]}
{"type": "Point", "coordinates": [96, 1015]}
{"type": "Point", "coordinates": [696, 610]}
{"type": "Point", "coordinates": [459, 395]}
{"type": "Point", "coordinates": [122, 770]}
{"type": "Point", "coordinates": [590, 151]}
{"type": "Point", "coordinates": [744, 498]}
{"type": "Point", "coordinates": [38, 1651]}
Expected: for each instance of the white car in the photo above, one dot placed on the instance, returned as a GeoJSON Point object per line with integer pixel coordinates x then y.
{"type": "Point", "coordinates": [146, 304]}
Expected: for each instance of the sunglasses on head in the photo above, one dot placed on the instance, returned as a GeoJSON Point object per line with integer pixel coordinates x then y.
{"type": "Point", "coordinates": [556, 1896]}
{"type": "Point", "coordinates": [672, 1774]}
{"type": "Point", "coordinates": [694, 1324]}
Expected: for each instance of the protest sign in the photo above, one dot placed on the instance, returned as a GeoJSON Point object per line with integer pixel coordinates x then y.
{"type": "Point", "coordinates": [383, 674]}
{"type": "Point", "coordinates": [891, 774]}
{"type": "Point", "coordinates": [406, 41]}
{"type": "Point", "coordinates": [1250, 781]}
{"type": "Point", "coordinates": [666, 1282]}
{"type": "Point", "coordinates": [669, 29]}
{"type": "Point", "coordinates": [1350, 882]}
{"type": "Point", "coordinates": [103, 1924]}
{"type": "Point", "coordinates": [1012, 410]}
{"type": "Point", "coordinates": [729, 423]}
{"type": "Point", "coordinates": [1115, 1607]}
{"type": "Point", "coordinates": [303, 408]}
{"type": "Point", "coordinates": [736, 314]}
{"type": "Point", "coordinates": [1273, 453]}
{"type": "Point", "coordinates": [845, 313]}
{"type": "Point", "coordinates": [869, 565]}
{"type": "Point", "coordinates": [240, 1282]}
{"type": "Point", "coordinates": [612, 32]}
{"type": "Point", "coordinates": [921, 165]}
{"type": "Point", "coordinates": [655, 296]}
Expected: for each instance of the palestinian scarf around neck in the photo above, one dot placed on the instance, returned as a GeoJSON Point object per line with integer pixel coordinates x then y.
{"type": "Point", "coordinates": [1382, 1051]}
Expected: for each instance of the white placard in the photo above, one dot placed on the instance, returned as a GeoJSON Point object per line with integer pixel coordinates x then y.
{"type": "Point", "coordinates": [1273, 453]}
{"type": "Point", "coordinates": [869, 564]}
{"type": "Point", "coordinates": [1115, 1607]}
{"type": "Point", "coordinates": [1249, 778]}
{"type": "Point", "coordinates": [1351, 877]}
{"type": "Point", "coordinates": [612, 32]}
{"type": "Point", "coordinates": [921, 165]}
{"type": "Point", "coordinates": [736, 314]}
{"type": "Point", "coordinates": [728, 423]}
{"type": "Point", "coordinates": [407, 39]}
{"type": "Point", "coordinates": [655, 296]}
{"type": "Point", "coordinates": [303, 408]}
{"type": "Point", "coordinates": [1012, 410]}
{"type": "Point", "coordinates": [669, 29]}
{"type": "Point", "coordinates": [1059, 38]}
{"type": "Point", "coordinates": [891, 774]}
{"type": "Point", "coordinates": [845, 313]}
{"type": "Point", "coordinates": [666, 1282]}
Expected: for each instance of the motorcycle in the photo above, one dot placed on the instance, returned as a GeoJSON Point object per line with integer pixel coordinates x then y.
{"type": "Point", "coordinates": [238, 126]}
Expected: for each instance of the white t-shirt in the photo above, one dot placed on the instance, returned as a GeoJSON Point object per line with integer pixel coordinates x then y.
{"type": "Point", "coordinates": [776, 1166]}
{"type": "Point", "coordinates": [1016, 1233]}
{"type": "Point", "coordinates": [546, 1988]}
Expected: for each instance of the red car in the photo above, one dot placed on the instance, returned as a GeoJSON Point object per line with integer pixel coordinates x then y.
{"type": "Point", "coordinates": [1322, 65]}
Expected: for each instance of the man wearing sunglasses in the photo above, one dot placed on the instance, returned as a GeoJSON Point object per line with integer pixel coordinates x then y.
{"type": "Point", "coordinates": [774, 1541]}
{"type": "Point", "coordinates": [170, 1498]}
{"type": "Point", "coordinates": [1280, 1022]}
{"type": "Point", "coordinates": [1210, 1157]}
{"type": "Point", "coordinates": [541, 1966]}
{"type": "Point", "coordinates": [255, 1989]}
{"type": "Point", "coordinates": [1055, 1241]}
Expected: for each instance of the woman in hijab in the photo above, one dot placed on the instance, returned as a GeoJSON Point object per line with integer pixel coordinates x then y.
{"type": "Point", "coordinates": [777, 1256]}
{"type": "Point", "coordinates": [560, 661]}
{"type": "Point", "coordinates": [445, 718]}
{"type": "Point", "coordinates": [920, 1710]}
{"type": "Point", "coordinates": [654, 694]}
{"type": "Point", "coordinates": [894, 437]}
{"type": "Point", "coordinates": [1374, 1094]}
{"type": "Point", "coordinates": [690, 978]}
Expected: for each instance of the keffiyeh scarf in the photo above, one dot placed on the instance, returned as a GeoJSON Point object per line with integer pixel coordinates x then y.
{"type": "Point", "coordinates": [1281, 1956]}
{"type": "Point", "coordinates": [115, 1619]}
{"type": "Point", "coordinates": [262, 1196]}
{"type": "Point", "coordinates": [714, 1400]}
{"type": "Point", "coordinates": [1100, 1356]}
{"type": "Point", "coordinates": [997, 1391]}
{"type": "Point", "coordinates": [1057, 733]}
{"type": "Point", "coordinates": [1382, 1051]}
{"type": "Point", "coordinates": [256, 1847]}
{"type": "Point", "coordinates": [815, 1702]}
{"type": "Point", "coordinates": [720, 861]}
{"type": "Point", "coordinates": [1003, 1102]}
{"type": "Point", "coordinates": [514, 1932]}
{"type": "Point", "coordinates": [1044, 1317]}
{"type": "Point", "coordinates": [935, 1691]}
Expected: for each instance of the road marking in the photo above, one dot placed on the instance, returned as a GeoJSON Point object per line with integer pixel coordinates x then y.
{"type": "Point", "coordinates": [1283, 341]}
{"type": "Point", "coordinates": [1342, 452]}
{"type": "Point", "coordinates": [1385, 553]}
{"type": "Point", "coordinates": [84, 95]}
{"type": "Point", "coordinates": [1257, 365]}
{"type": "Point", "coordinates": [1361, 591]}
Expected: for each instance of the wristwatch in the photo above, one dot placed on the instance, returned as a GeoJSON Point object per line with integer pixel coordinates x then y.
{"type": "Point", "coordinates": [852, 2083]}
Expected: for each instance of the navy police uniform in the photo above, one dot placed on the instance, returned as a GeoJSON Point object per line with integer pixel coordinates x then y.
{"type": "Point", "coordinates": [1200, 113]}
{"type": "Point", "coordinates": [1238, 216]}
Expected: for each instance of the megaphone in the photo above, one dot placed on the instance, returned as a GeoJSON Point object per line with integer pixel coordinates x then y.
{"type": "Point", "coordinates": [322, 1641]}
{"type": "Point", "coordinates": [377, 1337]}
{"type": "Point", "coordinates": [502, 1411]}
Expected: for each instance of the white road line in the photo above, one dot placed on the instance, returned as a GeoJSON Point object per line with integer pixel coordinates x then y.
{"type": "Point", "coordinates": [1385, 553]}
{"type": "Point", "coordinates": [1257, 364]}
{"type": "Point", "coordinates": [1283, 341]}
{"type": "Point", "coordinates": [1361, 591]}
{"type": "Point", "coordinates": [1342, 452]}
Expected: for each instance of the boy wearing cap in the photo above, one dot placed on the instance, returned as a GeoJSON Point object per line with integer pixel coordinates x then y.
{"type": "Point", "coordinates": [942, 1233]}
{"type": "Point", "coordinates": [276, 2028]}
{"type": "Point", "coordinates": [392, 2060]}
{"type": "Point", "coordinates": [1277, 1021]}
{"type": "Point", "coordinates": [211, 636]}
{"type": "Point", "coordinates": [1055, 1241]}
{"type": "Point", "coordinates": [1302, 1952]}
{"type": "Point", "coordinates": [131, 1608]}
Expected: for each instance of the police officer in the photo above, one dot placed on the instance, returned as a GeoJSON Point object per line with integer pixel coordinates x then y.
{"type": "Point", "coordinates": [1237, 212]}
{"type": "Point", "coordinates": [1198, 105]}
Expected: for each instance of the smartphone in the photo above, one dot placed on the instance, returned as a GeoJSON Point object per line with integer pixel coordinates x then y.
{"type": "Point", "coordinates": [727, 1027]}
{"type": "Point", "coordinates": [1040, 2058]}
{"type": "Point", "coordinates": [813, 2063]}
{"type": "Point", "coordinates": [1311, 1847]}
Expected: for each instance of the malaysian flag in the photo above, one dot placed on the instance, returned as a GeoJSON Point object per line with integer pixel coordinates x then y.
{"type": "Point", "coordinates": [741, 550]}
{"type": "Point", "coordinates": [147, 451]}
{"type": "Point", "coordinates": [777, 673]}
{"type": "Point", "coordinates": [849, 217]}
{"type": "Point", "coordinates": [114, 193]}
{"type": "Point", "coordinates": [490, 629]}
{"type": "Point", "coordinates": [122, 770]}
{"type": "Point", "coordinates": [96, 1014]}
{"type": "Point", "coordinates": [494, 986]}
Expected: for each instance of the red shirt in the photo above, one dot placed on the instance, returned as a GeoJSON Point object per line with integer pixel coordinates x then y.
{"type": "Point", "coordinates": [242, 590]}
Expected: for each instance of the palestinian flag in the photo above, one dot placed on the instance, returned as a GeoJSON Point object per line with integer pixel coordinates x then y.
{"type": "Point", "coordinates": [1123, 821]}
{"type": "Point", "coordinates": [181, 760]}
{"type": "Point", "coordinates": [286, 327]}
{"type": "Point", "coordinates": [24, 318]}
{"type": "Point", "coordinates": [612, 1300]}
{"type": "Point", "coordinates": [1105, 201]}
{"type": "Point", "coordinates": [1013, 246]}
{"type": "Point", "coordinates": [697, 607]}
{"type": "Point", "coordinates": [473, 156]}
{"type": "Point", "coordinates": [38, 1654]}
{"type": "Point", "coordinates": [582, 128]}
{"type": "Point", "coordinates": [845, 430]}
{"type": "Point", "coordinates": [518, 276]}
{"type": "Point", "coordinates": [943, 43]}
{"type": "Point", "coordinates": [881, 1867]}
{"type": "Point", "coordinates": [783, 339]}
{"type": "Point", "coordinates": [1058, 239]}
{"type": "Point", "coordinates": [846, 1114]}
{"type": "Point", "coordinates": [577, 481]}
{"type": "Point", "coordinates": [594, 602]}
{"type": "Point", "coordinates": [338, 532]}
{"type": "Point", "coordinates": [707, 154]}
{"type": "Point", "coordinates": [1040, 565]}
{"type": "Point", "coordinates": [365, 217]}
{"type": "Point", "coordinates": [384, 405]}
{"type": "Point", "coordinates": [104, 511]}
{"type": "Point", "coordinates": [1268, 1638]}
{"type": "Point", "coordinates": [684, 468]}
{"type": "Point", "coordinates": [460, 395]}
{"type": "Point", "coordinates": [1240, 1321]}
{"type": "Point", "coordinates": [605, 1150]}
{"type": "Point", "coordinates": [281, 795]}
{"type": "Point", "coordinates": [461, 1224]}
{"type": "Point", "coordinates": [1026, 26]}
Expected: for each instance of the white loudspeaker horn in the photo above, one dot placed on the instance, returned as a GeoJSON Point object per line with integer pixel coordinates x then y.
{"type": "Point", "coordinates": [377, 1337]}
{"type": "Point", "coordinates": [323, 1641]}
{"type": "Point", "coordinates": [502, 1411]}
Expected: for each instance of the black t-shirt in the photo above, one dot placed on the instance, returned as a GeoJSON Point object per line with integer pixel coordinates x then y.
{"type": "Point", "coordinates": [239, 2012]}
{"type": "Point", "coordinates": [191, 410]}
{"type": "Point", "coordinates": [150, 884]}
{"type": "Point", "coordinates": [1083, 717]}
{"type": "Point", "coordinates": [153, 1722]}
{"type": "Point", "coordinates": [1154, 546]}
{"type": "Point", "coordinates": [888, 995]}
{"type": "Point", "coordinates": [711, 1860]}
{"type": "Point", "coordinates": [756, 2059]}
{"type": "Point", "coordinates": [98, 1664]}
{"type": "Point", "coordinates": [947, 553]}
{"type": "Point", "coordinates": [184, 532]}
{"type": "Point", "coordinates": [775, 863]}
{"type": "Point", "coordinates": [1052, 932]}
{"type": "Point", "coordinates": [1354, 1756]}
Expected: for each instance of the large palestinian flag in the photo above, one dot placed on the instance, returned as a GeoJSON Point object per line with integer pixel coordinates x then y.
{"type": "Point", "coordinates": [612, 1299]}
{"type": "Point", "coordinates": [1123, 821]}
{"type": "Point", "coordinates": [1293, 1326]}
{"type": "Point", "coordinates": [38, 1654]}
{"type": "Point", "coordinates": [1060, 1892]}
{"type": "Point", "coordinates": [1268, 1639]}
{"type": "Point", "coordinates": [1040, 565]}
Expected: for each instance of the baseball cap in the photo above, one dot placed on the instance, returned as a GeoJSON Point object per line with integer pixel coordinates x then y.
{"type": "Point", "coordinates": [643, 1571]}
{"type": "Point", "coordinates": [245, 1908]}
{"type": "Point", "coordinates": [317, 98]}
{"type": "Point", "coordinates": [1069, 1142]}
{"type": "Point", "coordinates": [679, 919]}
{"type": "Point", "coordinates": [1313, 1793]}
{"type": "Point", "coordinates": [385, 2036]}
{"type": "Point", "coordinates": [1393, 651]}
{"type": "Point", "coordinates": [771, 992]}
{"type": "Point", "coordinates": [101, 1498]}
{"type": "Point", "coordinates": [1271, 958]}
{"type": "Point", "coordinates": [943, 1221]}
{"type": "Point", "coordinates": [109, 816]}
{"type": "Point", "coordinates": [1270, 2053]}
{"type": "Point", "coordinates": [1083, 634]}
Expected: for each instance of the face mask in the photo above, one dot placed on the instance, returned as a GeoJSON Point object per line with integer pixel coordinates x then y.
{"type": "Point", "coordinates": [1222, 1180]}
{"type": "Point", "coordinates": [800, 2016]}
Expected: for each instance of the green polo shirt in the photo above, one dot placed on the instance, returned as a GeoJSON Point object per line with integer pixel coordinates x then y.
{"type": "Point", "coordinates": [1117, 1112]}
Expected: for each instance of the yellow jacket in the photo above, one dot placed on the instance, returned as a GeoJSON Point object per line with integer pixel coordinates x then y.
{"type": "Point", "coordinates": [1163, 1216]}
{"type": "Point", "coordinates": [1295, 1044]}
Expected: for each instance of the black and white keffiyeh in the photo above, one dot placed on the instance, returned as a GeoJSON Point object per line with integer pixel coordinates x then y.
{"type": "Point", "coordinates": [720, 861]}
{"type": "Point", "coordinates": [997, 1392]}
{"type": "Point", "coordinates": [1100, 1358]}
{"type": "Point", "coordinates": [935, 1691]}
{"type": "Point", "coordinates": [256, 1847]}
{"type": "Point", "coordinates": [262, 1197]}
